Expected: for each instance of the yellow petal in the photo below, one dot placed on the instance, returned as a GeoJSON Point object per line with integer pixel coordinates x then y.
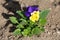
{"type": "Point", "coordinates": [35, 16]}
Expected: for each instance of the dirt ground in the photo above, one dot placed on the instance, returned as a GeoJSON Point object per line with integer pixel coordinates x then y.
{"type": "Point", "coordinates": [52, 28]}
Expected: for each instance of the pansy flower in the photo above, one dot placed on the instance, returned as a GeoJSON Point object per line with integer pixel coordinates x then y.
{"type": "Point", "coordinates": [35, 16]}
{"type": "Point", "coordinates": [30, 9]}
{"type": "Point", "coordinates": [32, 13]}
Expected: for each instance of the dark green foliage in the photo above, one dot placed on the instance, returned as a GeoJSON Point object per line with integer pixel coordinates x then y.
{"type": "Point", "coordinates": [26, 27]}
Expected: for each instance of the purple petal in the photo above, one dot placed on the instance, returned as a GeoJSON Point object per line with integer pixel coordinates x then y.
{"type": "Point", "coordinates": [32, 8]}
{"type": "Point", "coordinates": [27, 14]}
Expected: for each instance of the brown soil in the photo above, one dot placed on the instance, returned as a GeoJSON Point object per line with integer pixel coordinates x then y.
{"type": "Point", "coordinates": [52, 28]}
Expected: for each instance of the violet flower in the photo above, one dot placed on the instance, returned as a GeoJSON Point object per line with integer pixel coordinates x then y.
{"type": "Point", "coordinates": [30, 9]}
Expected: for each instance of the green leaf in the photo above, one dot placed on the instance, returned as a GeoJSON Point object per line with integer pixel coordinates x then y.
{"type": "Point", "coordinates": [42, 29]}
{"type": "Point", "coordinates": [13, 20]}
{"type": "Point", "coordinates": [19, 26]}
{"type": "Point", "coordinates": [42, 22]}
{"type": "Point", "coordinates": [23, 21]}
{"type": "Point", "coordinates": [17, 32]}
{"type": "Point", "coordinates": [26, 32]}
{"type": "Point", "coordinates": [44, 13]}
{"type": "Point", "coordinates": [20, 13]}
{"type": "Point", "coordinates": [31, 23]}
{"type": "Point", "coordinates": [30, 34]}
{"type": "Point", "coordinates": [36, 31]}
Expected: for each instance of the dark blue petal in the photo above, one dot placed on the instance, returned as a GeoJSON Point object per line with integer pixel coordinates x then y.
{"type": "Point", "coordinates": [27, 14]}
{"type": "Point", "coordinates": [32, 8]}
